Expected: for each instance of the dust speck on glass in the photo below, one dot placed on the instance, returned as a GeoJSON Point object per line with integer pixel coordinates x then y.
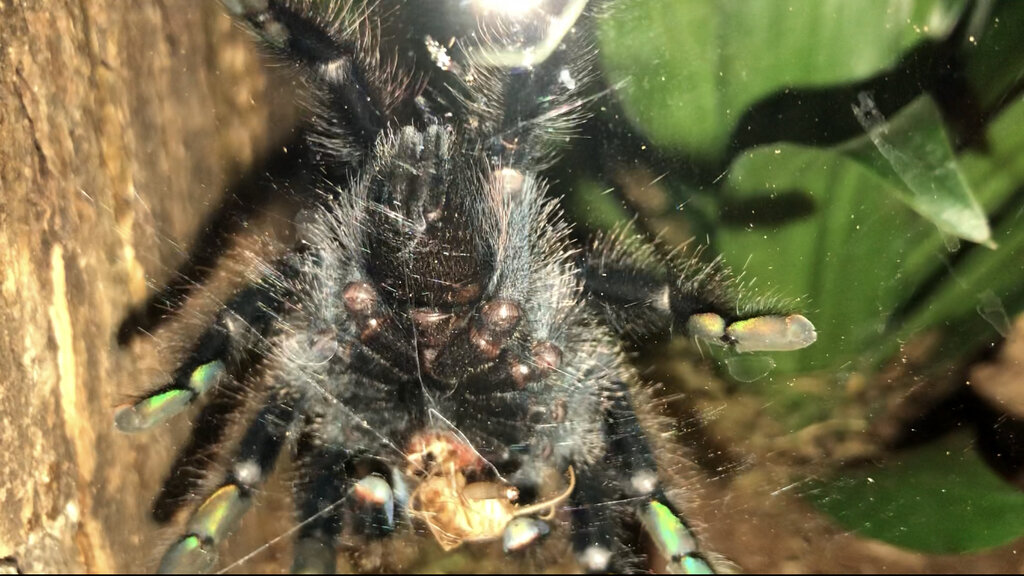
{"type": "Point", "coordinates": [440, 352]}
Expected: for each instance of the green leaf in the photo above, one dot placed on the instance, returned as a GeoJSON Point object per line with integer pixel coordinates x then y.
{"type": "Point", "coordinates": [694, 67]}
{"type": "Point", "coordinates": [914, 148]}
{"type": "Point", "coordinates": [994, 57]}
{"type": "Point", "coordinates": [845, 257]}
{"type": "Point", "coordinates": [865, 249]}
{"type": "Point", "coordinates": [998, 177]}
{"type": "Point", "coordinates": [939, 498]}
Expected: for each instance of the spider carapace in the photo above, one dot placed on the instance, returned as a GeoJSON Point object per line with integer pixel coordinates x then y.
{"type": "Point", "coordinates": [434, 350]}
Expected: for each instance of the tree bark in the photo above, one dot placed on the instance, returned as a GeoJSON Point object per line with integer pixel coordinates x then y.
{"type": "Point", "coordinates": [120, 124]}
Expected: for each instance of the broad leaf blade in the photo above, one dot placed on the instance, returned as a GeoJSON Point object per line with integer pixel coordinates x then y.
{"type": "Point", "coordinates": [694, 67]}
{"type": "Point", "coordinates": [940, 498]}
{"type": "Point", "coordinates": [913, 147]}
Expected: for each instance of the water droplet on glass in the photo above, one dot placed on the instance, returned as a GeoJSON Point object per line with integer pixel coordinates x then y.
{"type": "Point", "coordinates": [990, 307]}
{"type": "Point", "coordinates": [749, 368]}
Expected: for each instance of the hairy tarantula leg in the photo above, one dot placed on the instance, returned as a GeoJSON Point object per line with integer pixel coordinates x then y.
{"type": "Point", "coordinates": [528, 72]}
{"type": "Point", "coordinates": [645, 294]}
{"type": "Point", "coordinates": [373, 503]}
{"type": "Point", "coordinates": [628, 471]}
{"type": "Point", "coordinates": [322, 486]}
{"type": "Point", "coordinates": [541, 103]}
{"type": "Point", "coordinates": [371, 500]}
{"type": "Point", "coordinates": [594, 523]}
{"type": "Point", "coordinates": [672, 537]}
{"type": "Point", "coordinates": [324, 38]}
{"type": "Point", "coordinates": [628, 459]}
{"type": "Point", "coordinates": [219, 514]}
{"type": "Point", "coordinates": [299, 30]}
{"type": "Point", "coordinates": [247, 316]}
{"type": "Point", "coordinates": [669, 532]}
{"type": "Point", "coordinates": [252, 312]}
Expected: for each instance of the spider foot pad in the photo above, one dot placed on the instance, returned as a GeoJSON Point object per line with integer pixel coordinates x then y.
{"type": "Point", "coordinates": [758, 334]}
{"type": "Point", "coordinates": [674, 541]}
{"type": "Point", "coordinates": [168, 401]}
{"type": "Point", "coordinates": [213, 521]}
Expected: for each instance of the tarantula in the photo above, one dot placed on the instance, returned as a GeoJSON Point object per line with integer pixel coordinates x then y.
{"type": "Point", "coordinates": [434, 346]}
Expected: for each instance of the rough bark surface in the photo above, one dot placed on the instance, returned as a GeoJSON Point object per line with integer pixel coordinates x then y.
{"type": "Point", "coordinates": [120, 124]}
